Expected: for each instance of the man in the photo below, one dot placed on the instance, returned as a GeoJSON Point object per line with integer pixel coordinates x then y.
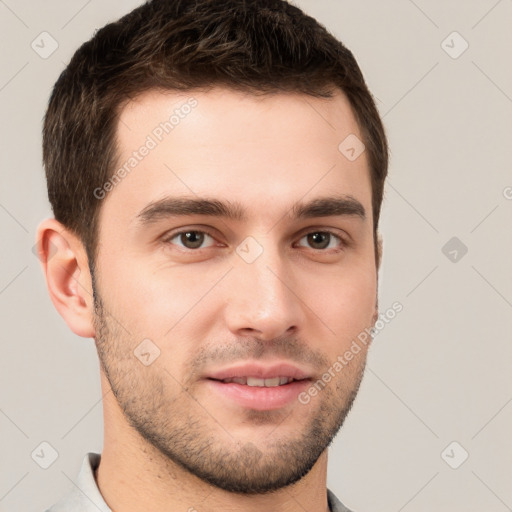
{"type": "Point", "coordinates": [216, 170]}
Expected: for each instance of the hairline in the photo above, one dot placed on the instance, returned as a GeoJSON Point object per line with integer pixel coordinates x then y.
{"type": "Point", "coordinates": [329, 92]}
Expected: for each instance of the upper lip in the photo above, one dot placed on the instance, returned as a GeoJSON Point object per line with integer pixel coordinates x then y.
{"type": "Point", "coordinates": [261, 371]}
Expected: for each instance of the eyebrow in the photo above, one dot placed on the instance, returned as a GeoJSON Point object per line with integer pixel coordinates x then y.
{"type": "Point", "coordinates": [182, 206]}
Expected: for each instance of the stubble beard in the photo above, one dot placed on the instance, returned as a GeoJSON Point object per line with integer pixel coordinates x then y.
{"type": "Point", "coordinates": [174, 424]}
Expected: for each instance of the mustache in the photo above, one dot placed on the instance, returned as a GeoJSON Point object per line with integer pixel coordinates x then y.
{"type": "Point", "coordinates": [291, 348]}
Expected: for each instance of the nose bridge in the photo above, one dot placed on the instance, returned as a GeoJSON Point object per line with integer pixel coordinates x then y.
{"type": "Point", "coordinates": [263, 270]}
{"type": "Point", "coordinates": [262, 300]}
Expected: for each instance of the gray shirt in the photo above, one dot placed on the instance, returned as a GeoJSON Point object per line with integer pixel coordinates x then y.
{"type": "Point", "coordinates": [86, 497]}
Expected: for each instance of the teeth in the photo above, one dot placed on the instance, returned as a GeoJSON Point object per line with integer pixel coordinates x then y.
{"type": "Point", "coordinates": [253, 381]}
{"type": "Point", "coordinates": [256, 382]}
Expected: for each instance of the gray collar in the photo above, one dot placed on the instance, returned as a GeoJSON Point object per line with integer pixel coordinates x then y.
{"type": "Point", "coordinates": [86, 497]}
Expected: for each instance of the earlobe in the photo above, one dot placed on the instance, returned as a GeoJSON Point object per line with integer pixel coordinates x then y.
{"type": "Point", "coordinates": [65, 266]}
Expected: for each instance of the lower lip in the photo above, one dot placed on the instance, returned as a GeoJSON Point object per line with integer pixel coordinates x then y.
{"type": "Point", "coordinates": [260, 398]}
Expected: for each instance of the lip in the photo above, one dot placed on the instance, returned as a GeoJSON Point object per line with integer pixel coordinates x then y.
{"type": "Point", "coordinates": [259, 398]}
{"type": "Point", "coordinates": [255, 397]}
{"type": "Point", "coordinates": [260, 371]}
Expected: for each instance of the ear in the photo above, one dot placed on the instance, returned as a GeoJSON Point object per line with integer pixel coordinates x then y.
{"type": "Point", "coordinates": [65, 267]}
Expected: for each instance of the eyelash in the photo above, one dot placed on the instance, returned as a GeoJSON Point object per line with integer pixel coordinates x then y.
{"type": "Point", "coordinates": [342, 242]}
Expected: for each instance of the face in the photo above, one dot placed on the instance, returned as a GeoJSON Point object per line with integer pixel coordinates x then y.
{"type": "Point", "coordinates": [235, 254]}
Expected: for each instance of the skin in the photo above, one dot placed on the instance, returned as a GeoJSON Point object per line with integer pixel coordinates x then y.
{"type": "Point", "coordinates": [169, 440]}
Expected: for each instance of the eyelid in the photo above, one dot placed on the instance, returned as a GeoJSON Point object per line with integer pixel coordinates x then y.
{"type": "Point", "coordinates": [167, 237]}
{"type": "Point", "coordinates": [344, 240]}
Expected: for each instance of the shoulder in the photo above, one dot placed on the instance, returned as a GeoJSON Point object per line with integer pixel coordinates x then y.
{"type": "Point", "coordinates": [335, 504]}
{"type": "Point", "coordinates": [84, 495]}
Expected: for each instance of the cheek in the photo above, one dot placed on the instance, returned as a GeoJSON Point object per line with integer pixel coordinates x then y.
{"type": "Point", "coordinates": [146, 303]}
{"type": "Point", "coordinates": [150, 307]}
{"type": "Point", "coordinates": [345, 303]}
{"type": "Point", "coordinates": [171, 307]}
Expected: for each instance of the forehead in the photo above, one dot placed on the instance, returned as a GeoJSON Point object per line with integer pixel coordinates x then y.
{"type": "Point", "coordinates": [264, 151]}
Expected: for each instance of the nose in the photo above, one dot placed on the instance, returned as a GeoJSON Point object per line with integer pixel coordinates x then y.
{"type": "Point", "coordinates": [264, 300]}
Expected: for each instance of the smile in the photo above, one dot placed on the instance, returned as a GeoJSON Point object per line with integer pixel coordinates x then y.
{"type": "Point", "coordinates": [257, 382]}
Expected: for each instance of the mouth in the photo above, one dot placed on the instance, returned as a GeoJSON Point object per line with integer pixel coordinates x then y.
{"type": "Point", "coordinates": [258, 382]}
{"type": "Point", "coordinates": [259, 374]}
{"type": "Point", "coordinates": [259, 387]}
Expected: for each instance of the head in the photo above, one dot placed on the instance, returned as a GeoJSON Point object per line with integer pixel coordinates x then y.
{"type": "Point", "coordinates": [207, 216]}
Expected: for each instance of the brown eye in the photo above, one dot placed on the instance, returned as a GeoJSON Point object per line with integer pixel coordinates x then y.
{"type": "Point", "coordinates": [192, 239]}
{"type": "Point", "coordinates": [320, 240]}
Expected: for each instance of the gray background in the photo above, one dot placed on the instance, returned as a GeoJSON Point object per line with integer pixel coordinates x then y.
{"type": "Point", "coordinates": [438, 373]}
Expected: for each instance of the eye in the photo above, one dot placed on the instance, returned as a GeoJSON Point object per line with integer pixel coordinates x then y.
{"type": "Point", "coordinates": [321, 240]}
{"type": "Point", "coordinates": [190, 239]}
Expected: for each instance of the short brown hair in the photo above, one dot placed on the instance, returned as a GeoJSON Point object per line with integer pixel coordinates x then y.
{"type": "Point", "coordinates": [259, 46]}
